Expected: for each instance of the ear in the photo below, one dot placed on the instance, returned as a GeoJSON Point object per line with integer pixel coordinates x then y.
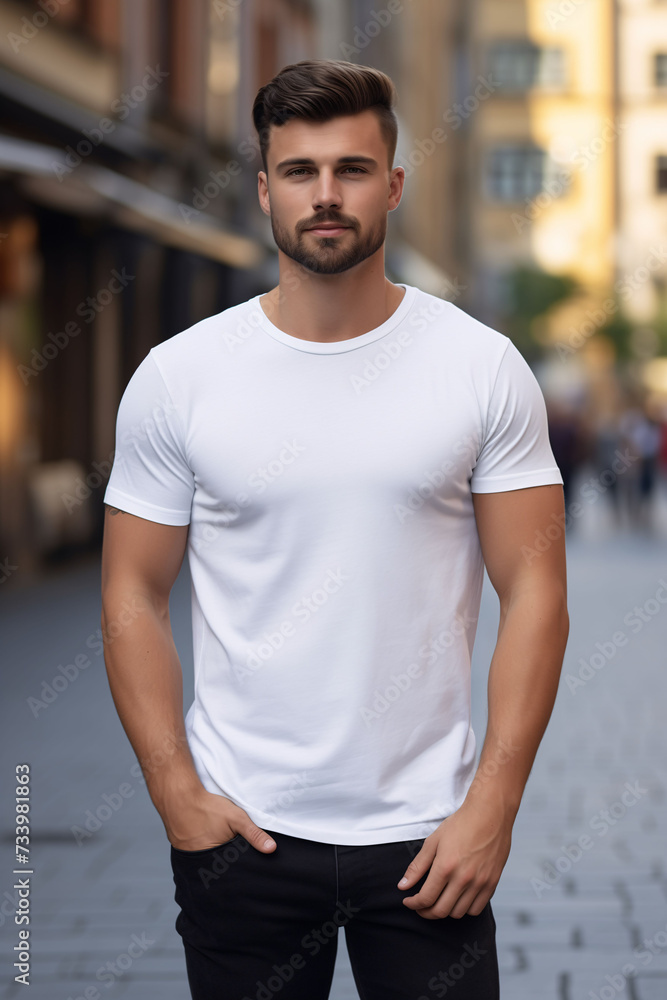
{"type": "Point", "coordinates": [263, 192]}
{"type": "Point", "coordinates": [396, 184]}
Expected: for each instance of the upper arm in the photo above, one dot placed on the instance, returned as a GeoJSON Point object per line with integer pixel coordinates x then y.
{"type": "Point", "coordinates": [149, 494]}
{"type": "Point", "coordinates": [517, 490]}
{"type": "Point", "coordinates": [522, 536]}
{"type": "Point", "coordinates": [140, 556]}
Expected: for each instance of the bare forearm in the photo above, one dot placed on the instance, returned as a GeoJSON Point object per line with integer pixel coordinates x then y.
{"type": "Point", "coordinates": [146, 682]}
{"type": "Point", "coordinates": [523, 683]}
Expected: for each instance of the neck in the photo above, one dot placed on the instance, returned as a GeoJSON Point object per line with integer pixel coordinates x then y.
{"type": "Point", "coordinates": [330, 307]}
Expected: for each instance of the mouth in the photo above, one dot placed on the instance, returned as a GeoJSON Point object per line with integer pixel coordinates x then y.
{"type": "Point", "coordinates": [328, 230]}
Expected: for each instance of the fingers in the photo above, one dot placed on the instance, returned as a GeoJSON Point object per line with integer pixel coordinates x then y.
{"type": "Point", "coordinates": [240, 823]}
{"type": "Point", "coordinates": [434, 886]}
{"type": "Point", "coordinates": [451, 903]}
{"type": "Point", "coordinates": [440, 898]}
{"type": "Point", "coordinates": [419, 865]}
{"type": "Point", "coordinates": [256, 837]}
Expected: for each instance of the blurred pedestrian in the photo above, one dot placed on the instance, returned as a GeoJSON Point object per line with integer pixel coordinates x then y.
{"type": "Point", "coordinates": [643, 438]}
{"type": "Point", "coordinates": [565, 435]}
{"type": "Point", "coordinates": [607, 447]}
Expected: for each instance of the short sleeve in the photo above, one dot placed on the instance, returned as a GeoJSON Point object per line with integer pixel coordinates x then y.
{"type": "Point", "coordinates": [516, 451]}
{"type": "Point", "coordinates": [150, 476]}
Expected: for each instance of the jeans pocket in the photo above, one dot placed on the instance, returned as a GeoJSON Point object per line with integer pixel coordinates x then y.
{"type": "Point", "coordinates": [204, 850]}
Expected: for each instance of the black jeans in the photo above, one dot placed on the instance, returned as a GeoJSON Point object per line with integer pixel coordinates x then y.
{"type": "Point", "coordinates": [263, 926]}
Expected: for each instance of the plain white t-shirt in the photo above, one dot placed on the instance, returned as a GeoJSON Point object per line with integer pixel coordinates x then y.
{"type": "Point", "coordinates": [335, 562]}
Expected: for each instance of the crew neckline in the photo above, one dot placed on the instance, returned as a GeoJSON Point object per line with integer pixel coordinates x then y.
{"type": "Point", "coordinates": [339, 346]}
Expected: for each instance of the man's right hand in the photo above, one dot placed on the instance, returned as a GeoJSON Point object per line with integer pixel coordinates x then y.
{"type": "Point", "coordinates": [198, 820]}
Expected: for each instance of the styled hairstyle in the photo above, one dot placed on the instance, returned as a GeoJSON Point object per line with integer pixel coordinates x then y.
{"type": "Point", "coordinates": [318, 90]}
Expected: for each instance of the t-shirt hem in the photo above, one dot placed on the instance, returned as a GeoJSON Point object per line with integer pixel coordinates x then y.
{"type": "Point", "coordinates": [142, 508]}
{"type": "Point", "coordinates": [518, 481]}
{"type": "Point", "coordinates": [388, 835]}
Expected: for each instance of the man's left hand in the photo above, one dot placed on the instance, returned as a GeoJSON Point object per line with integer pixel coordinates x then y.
{"type": "Point", "coordinates": [466, 855]}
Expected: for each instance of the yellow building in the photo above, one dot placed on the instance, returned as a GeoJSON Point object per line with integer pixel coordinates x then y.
{"type": "Point", "coordinates": [541, 151]}
{"type": "Point", "coordinates": [643, 156]}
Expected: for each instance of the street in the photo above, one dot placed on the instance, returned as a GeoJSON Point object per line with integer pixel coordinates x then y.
{"type": "Point", "coordinates": [581, 907]}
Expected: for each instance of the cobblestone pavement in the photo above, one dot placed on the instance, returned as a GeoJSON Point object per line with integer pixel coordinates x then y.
{"type": "Point", "coordinates": [582, 904]}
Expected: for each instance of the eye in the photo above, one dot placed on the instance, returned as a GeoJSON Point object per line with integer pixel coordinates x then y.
{"type": "Point", "coordinates": [297, 170]}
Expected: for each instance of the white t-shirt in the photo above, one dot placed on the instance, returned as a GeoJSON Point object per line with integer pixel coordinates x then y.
{"type": "Point", "coordinates": [335, 561]}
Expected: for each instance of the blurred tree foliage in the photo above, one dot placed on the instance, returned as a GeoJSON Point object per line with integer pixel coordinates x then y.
{"type": "Point", "coordinates": [530, 292]}
{"type": "Point", "coordinates": [661, 322]}
{"type": "Point", "coordinates": [618, 330]}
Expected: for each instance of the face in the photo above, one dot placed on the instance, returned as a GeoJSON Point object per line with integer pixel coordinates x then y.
{"type": "Point", "coordinates": [321, 173]}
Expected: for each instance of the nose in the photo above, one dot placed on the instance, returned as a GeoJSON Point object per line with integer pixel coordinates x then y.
{"type": "Point", "coordinates": [326, 191]}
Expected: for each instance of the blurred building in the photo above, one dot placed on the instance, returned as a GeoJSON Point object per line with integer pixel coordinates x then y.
{"type": "Point", "coordinates": [541, 149]}
{"type": "Point", "coordinates": [641, 278]}
{"type": "Point", "coordinates": [642, 160]}
{"type": "Point", "coordinates": [119, 226]}
{"type": "Point", "coordinates": [566, 173]}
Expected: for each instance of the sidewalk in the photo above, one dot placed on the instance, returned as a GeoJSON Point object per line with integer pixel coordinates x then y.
{"type": "Point", "coordinates": [570, 918]}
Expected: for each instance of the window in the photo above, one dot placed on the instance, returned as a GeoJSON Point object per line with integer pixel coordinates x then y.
{"type": "Point", "coordinates": [661, 69]}
{"type": "Point", "coordinates": [95, 20]}
{"type": "Point", "coordinates": [515, 173]}
{"type": "Point", "coordinates": [521, 65]}
{"type": "Point", "coordinates": [661, 174]}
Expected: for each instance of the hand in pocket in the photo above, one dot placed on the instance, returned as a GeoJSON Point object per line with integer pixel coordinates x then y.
{"type": "Point", "coordinates": [201, 820]}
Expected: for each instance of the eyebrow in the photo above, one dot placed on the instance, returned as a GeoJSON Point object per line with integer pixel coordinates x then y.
{"type": "Point", "coordinates": [305, 160]}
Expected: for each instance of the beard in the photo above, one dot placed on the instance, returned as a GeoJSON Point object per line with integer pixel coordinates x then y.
{"type": "Point", "coordinates": [329, 254]}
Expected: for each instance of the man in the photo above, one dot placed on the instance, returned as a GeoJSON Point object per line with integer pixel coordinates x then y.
{"type": "Point", "coordinates": [341, 457]}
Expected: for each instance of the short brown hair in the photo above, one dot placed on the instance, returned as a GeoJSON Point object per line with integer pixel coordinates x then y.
{"type": "Point", "coordinates": [320, 89]}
